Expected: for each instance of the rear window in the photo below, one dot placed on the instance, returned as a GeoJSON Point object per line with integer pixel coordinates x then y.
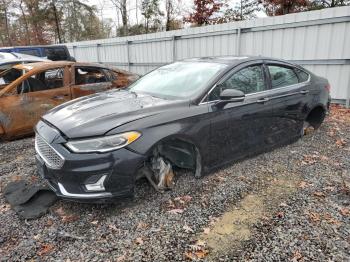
{"type": "Point", "coordinates": [56, 53]}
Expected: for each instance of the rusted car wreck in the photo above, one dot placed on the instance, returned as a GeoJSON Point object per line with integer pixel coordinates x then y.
{"type": "Point", "coordinates": [28, 91]}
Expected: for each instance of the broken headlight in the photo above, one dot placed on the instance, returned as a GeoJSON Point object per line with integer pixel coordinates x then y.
{"type": "Point", "coordinates": [103, 144]}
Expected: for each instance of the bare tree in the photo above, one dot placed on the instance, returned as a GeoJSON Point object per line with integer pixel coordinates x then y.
{"type": "Point", "coordinates": [5, 7]}
{"type": "Point", "coordinates": [121, 6]}
{"type": "Point", "coordinates": [26, 25]}
{"type": "Point", "coordinates": [57, 23]}
{"type": "Point", "coordinates": [169, 10]}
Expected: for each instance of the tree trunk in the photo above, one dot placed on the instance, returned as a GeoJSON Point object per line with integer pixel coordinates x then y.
{"type": "Point", "coordinates": [168, 15]}
{"type": "Point", "coordinates": [57, 22]}
{"type": "Point", "coordinates": [124, 17]}
{"type": "Point", "coordinates": [7, 25]}
{"type": "Point", "coordinates": [25, 23]}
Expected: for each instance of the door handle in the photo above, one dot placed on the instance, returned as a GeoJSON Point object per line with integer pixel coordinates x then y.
{"type": "Point", "coordinates": [304, 92]}
{"type": "Point", "coordinates": [262, 100]}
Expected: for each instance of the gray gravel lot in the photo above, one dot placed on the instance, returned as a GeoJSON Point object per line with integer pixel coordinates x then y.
{"type": "Point", "coordinates": [289, 204]}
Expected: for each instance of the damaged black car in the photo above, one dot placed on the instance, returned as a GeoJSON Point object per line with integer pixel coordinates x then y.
{"type": "Point", "coordinates": [197, 114]}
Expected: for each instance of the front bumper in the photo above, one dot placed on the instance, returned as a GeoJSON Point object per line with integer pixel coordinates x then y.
{"type": "Point", "coordinates": [116, 169]}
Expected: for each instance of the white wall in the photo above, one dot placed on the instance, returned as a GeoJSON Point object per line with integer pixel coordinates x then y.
{"type": "Point", "coordinates": [318, 40]}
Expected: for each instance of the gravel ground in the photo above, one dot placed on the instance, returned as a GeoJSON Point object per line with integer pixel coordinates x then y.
{"type": "Point", "coordinates": [289, 204]}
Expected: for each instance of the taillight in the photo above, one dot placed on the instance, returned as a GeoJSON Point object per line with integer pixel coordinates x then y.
{"type": "Point", "coordinates": [328, 87]}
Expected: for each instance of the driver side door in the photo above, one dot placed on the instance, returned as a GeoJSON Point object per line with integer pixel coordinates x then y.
{"type": "Point", "coordinates": [240, 129]}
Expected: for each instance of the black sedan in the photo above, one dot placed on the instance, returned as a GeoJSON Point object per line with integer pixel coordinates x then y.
{"type": "Point", "coordinates": [196, 114]}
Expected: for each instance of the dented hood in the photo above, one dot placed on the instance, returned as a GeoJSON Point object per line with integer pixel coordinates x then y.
{"type": "Point", "coordinates": [97, 114]}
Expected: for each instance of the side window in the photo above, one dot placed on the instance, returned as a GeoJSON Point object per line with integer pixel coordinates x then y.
{"type": "Point", "coordinates": [110, 74]}
{"type": "Point", "coordinates": [48, 79]}
{"type": "Point", "coordinates": [282, 76]}
{"type": "Point", "coordinates": [248, 80]}
{"type": "Point", "coordinates": [303, 76]}
{"type": "Point", "coordinates": [56, 53]}
{"type": "Point", "coordinates": [33, 52]}
{"type": "Point", "coordinates": [89, 75]}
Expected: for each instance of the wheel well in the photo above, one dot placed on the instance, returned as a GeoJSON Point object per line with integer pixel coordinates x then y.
{"type": "Point", "coordinates": [179, 152]}
{"type": "Point", "coordinates": [316, 116]}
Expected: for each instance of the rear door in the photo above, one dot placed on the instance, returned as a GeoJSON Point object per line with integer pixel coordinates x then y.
{"type": "Point", "coordinates": [241, 128]}
{"type": "Point", "coordinates": [87, 80]}
{"type": "Point", "coordinates": [290, 87]}
{"type": "Point", "coordinates": [29, 100]}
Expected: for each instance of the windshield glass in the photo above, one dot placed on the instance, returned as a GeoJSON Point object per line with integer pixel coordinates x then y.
{"type": "Point", "coordinates": [177, 80]}
{"type": "Point", "coordinates": [10, 75]}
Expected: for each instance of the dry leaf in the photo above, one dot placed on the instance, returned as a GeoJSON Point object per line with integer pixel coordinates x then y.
{"type": "Point", "coordinates": [45, 249]}
{"type": "Point", "coordinates": [37, 237]}
{"type": "Point", "coordinates": [69, 218]}
{"type": "Point", "coordinates": [201, 253]}
{"type": "Point", "coordinates": [314, 217]}
{"type": "Point", "coordinates": [331, 219]}
{"type": "Point", "coordinates": [176, 211]}
{"type": "Point", "coordinates": [319, 194]}
{"type": "Point", "coordinates": [60, 211]}
{"type": "Point", "coordinates": [183, 199]}
{"type": "Point", "coordinates": [190, 255]}
{"type": "Point", "coordinates": [283, 204]}
{"type": "Point", "coordinates": [113, 227]}
{"type": "Point", "coordinates": [340, 142]}
{"type": "Point", "coordinates": [142, 225]}
{"type": "Point", "coordinates": [5, 207]}
{"type": "Point", "coordinates": [139, 241]}
{"type": "Point", "coordinates": [206, 230]}
{"type": "Point", "coordinates": [95, 222]}
{"type": "Point", "coordinates": [297, 256]}
{"type": "Point", "coordinates": [280, 214]}
{"type": "Point", "coordinates": [188, 229]}
{"type": "Point", "coordinates": [344, 211]}
{"type": "Point", "coordinates": [121, 258]}
{"type": "Point", "coordinates": [49, 222]}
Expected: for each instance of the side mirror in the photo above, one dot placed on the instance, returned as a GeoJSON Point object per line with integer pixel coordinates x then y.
{"type": "Point", "coordinates": [232, 95]}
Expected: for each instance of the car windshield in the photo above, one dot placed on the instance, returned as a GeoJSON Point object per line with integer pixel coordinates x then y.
{"type": "Point", "coordinates": [177, 80]}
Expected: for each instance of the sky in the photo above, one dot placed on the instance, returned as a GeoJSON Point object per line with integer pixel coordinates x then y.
{"type": "Point", "coordinates": [107, 10]}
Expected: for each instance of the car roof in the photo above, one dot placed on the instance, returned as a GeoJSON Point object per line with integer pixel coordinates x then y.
{"type": "Point", "coordinates": [54, 64]}
{"type": "Point", "coordinates": [6, 57]}
{"type": "Point", "coordinates": [232, 60]}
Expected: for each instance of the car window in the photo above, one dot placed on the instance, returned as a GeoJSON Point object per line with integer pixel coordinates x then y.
{"type": "Point", "coordinates": [112, 76]}
{"type": "Point", "coordinates": [89, 75]}
{"type": "Point", "coordinates": [303, 76]}
{"type": "Point", "coordinates": [179, 80]}
{"type": "Point", "coordinates": [282, 76]}
{"type": "Point", "coordinates": [248, 80]}
{"type": "Point", "coordinates": [56, 53]}
{"type": "Point", "coordinates": [10, 75]}
{"type": "Point", "coordinates": [48, 79]}
{"type": "Point", "coordinates": [33, 52]}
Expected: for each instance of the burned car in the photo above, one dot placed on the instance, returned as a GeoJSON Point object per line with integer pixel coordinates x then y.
{"type": "Point", "coordinates": [196, 114]}
{"type": "Point", "coordinates": [8, 60]}
{"type": "Point", "coordinates": [27, 91]}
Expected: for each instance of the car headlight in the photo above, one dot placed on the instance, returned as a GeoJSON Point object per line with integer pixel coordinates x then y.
{"type": "Point", "coordinates": [103, 144]}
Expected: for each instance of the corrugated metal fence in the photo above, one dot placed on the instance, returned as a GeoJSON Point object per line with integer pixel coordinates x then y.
{"type": "Point", "coordinates": [318, 40]}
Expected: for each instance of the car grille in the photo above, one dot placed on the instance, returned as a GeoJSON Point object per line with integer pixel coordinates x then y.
{"type": "Point", "coordinates": [47, 153]}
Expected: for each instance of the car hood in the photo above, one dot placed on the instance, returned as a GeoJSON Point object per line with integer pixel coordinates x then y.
{"type": "Point", "coordinates": [97, 114]}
